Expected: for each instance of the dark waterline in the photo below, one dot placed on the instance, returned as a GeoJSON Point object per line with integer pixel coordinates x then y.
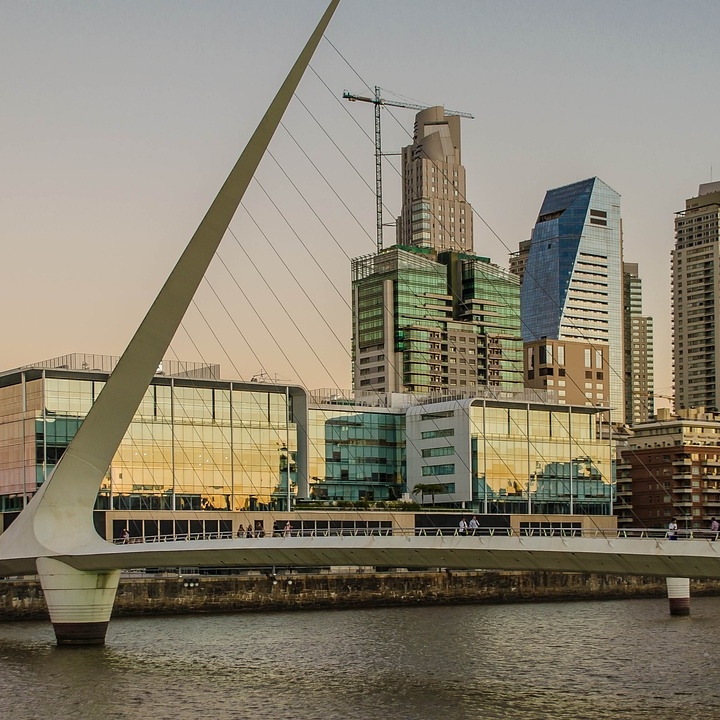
{"type": "Point", "coordinates": [594, 660]}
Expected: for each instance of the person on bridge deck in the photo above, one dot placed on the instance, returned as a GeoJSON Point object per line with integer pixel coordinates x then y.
{"type": "Point", "coordinates": [249, 532]}
{"type": "Point", "coordinates": [672, 530]}
{"type": "Point", "coordinates": [125, 536]}
{"type": "Point", "coordinates": [240, 531]}
{"type": "Point", "coordinates": [473, 525]}
{"type": "Point", "coordinates": [714, 525]}
{"type": "Point", "coordinates": [288, 529]}
{"type": "Point", "coordinates": [463, 526]}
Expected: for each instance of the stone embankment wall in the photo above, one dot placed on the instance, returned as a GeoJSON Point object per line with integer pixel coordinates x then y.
{"type": "Point", "coordinates": [23, 599]}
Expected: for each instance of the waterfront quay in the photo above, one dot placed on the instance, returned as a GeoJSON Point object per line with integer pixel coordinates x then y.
{"type": "Point", "coordinates": [190, 590]}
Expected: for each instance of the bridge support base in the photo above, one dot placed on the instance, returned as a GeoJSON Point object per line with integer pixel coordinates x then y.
{"type": "Point", "coordinates": [79, 601]}
{"type": "Point", "coordinates": [678, 590]}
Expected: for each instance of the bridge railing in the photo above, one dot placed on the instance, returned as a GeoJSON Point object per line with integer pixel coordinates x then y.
{"type": "Point", "coordinates": [480, 532]}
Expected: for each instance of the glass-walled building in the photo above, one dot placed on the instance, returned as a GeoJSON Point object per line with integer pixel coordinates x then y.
{"type": "Point", "coordinates": [424, 322]}
{"type": "Point", "coordinates": [510, 456]}
{"type": "Point", "coordinates": [198, 444]}
{"type": "Point", "coordinates": [572, 287]}
{"type": "Point", "coordinates": [356, 454]}
{"type": "Point", "coordinates": [194, 444]}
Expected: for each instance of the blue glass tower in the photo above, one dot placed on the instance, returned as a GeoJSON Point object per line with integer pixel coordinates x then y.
{"type": "Point", "coordinates": [572, 285]}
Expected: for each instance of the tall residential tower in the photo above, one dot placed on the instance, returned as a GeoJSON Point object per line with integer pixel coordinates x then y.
{"type": "Point", "coordinates": [696, 300]}
{"type": "Point", "coordinates": [639, 364]}
{"type": "Point", "coordinates": [435, 212]}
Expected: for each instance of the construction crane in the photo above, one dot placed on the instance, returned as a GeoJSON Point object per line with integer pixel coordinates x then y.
{"type": "Point", "coordinates": [378, 102]}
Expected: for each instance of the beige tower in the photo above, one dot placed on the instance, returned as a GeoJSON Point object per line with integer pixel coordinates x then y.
{"type": "Point", "coordinates": [696, 300]}
{"type": "Point", "coordinates": [434, 211]}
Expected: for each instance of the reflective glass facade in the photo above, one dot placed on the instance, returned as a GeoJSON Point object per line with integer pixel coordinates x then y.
{"type": "Point", "coordinates": [356, 455]}
{"type": "Point", "coordinates": [192, 445]}
{"type": "Point", "coordinates": [423, 322]}
{"type": "Point", "coordinates": [542, 460]}
{"type": "Point", "coordinates": [202, 445]}
{"type": "Point", "coordinates": [511, 457]}
{"type": "Point", "coordinates": [572, 284]}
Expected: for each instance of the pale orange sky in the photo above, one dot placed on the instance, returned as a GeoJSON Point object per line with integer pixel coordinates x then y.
{"type": "Point", "coordinates": [121, 120]}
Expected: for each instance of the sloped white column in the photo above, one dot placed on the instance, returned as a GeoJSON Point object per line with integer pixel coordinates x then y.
{"type": "Point", "coordinates": [678, 590]}
{"type": "Point", "coordinates": [79, 602]}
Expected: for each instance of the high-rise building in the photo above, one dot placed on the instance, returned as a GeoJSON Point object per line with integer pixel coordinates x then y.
{"type": "Point", "coordinates": [424, 322]}
{"type": "Point", "coordinates": [518, 260]}
{"type": "Point", "coordinates": [639, 367]}
{"type": "Point", "coordinates": [435, 212]}
{"type": "Point", "coordinates": [696, 300]}
{"type": "Point", "coordinates": [428, 314]}
{"type": "Point", "coordinates": [572, 290]}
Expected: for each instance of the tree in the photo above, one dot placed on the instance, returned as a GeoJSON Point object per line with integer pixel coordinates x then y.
{"type": "Point", "coordinates": [428, 489]}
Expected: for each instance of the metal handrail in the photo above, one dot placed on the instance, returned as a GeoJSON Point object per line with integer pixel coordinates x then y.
{"type": "Point", "coordinates": [480, 532]}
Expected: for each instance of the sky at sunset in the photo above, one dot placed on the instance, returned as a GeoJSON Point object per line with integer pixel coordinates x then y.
{"type": "Point", "coordinates": [120, 120]}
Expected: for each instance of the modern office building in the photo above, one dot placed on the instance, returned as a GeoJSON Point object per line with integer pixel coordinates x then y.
{"type": "Point", "coordinates": [424, 322]}
{"type": "Point", "coordinates": [511, 456]}
{"type": "Point", "coordinates": [198, 442]}
{"type": "Point", "coordinates": [203, 452]}
{"type": "Point", "coordinates": [639, 363]}
{"type": "Point", "coordinates": [435, 212]}
{"type": "Point", "coordinates": [573, 285]}
{"type": "Point", "coordinates": [428, 314]}
{"type": "Point", "coordinates": [696, 300]}
{"type": "Point", "coordinates": [671, 468]}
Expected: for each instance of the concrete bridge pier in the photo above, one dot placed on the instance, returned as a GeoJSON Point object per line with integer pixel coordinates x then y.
{"type": "Point", "coordinates": [678, 590]}
{"type": "Point", "coordinates": [79, 602]}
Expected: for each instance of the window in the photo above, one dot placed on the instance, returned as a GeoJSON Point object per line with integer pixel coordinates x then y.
{"type": "Point", "coordinates": [432, 470]}
{"type": "Point", "coordinates": [436, 415]}
{"type": "Point", "coordinates": [438, 451]}
{"type": "Point", "coordinates": [445, 432]}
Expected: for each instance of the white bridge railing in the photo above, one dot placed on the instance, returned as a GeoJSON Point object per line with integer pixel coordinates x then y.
{"type": "Point", "coordinates": [482, 532]}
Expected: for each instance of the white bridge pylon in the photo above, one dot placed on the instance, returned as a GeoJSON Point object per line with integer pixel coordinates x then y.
{"type": "Point", "coordinates": [55, 531]}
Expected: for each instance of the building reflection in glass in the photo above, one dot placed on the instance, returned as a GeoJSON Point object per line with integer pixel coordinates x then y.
{"type": "Point", "coordinates": [192, 445]}
{"type": "Point", "coordinates": [538, 459]}
{"type": "Point", "coordinates": [356, 455]}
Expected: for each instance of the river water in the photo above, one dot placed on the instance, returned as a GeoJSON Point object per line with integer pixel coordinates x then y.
{"type": "Point", "coordinates": [590, 660]}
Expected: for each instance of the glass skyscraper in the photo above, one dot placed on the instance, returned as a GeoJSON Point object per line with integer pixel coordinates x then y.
{"type": "Point", "coordinates": [572, 286]}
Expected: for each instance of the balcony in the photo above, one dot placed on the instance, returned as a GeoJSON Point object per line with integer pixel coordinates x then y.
{"type": "Point", "coordinates": [683, 461]}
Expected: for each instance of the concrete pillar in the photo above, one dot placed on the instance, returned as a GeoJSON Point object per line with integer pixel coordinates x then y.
{"type": "Point", "coordinates": [678, 590]}
{"type": "Point", "coordinates": [79, 601]}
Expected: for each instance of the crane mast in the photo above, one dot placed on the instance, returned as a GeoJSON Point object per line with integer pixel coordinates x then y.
{"type": "Point", "coordinates": [378, 102]}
